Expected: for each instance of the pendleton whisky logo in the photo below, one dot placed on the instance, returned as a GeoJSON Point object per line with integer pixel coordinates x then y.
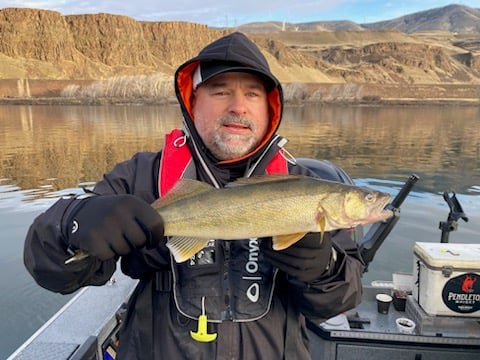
{"type": "Point", "coordinates": [462, 293]}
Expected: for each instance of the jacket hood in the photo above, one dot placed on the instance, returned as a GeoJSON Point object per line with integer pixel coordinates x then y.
{"type": "Point", "coordinates": [234, 52]}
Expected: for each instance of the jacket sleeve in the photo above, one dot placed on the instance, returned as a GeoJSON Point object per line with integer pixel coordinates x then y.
{"type": "Point", "coordinates": [46, 250]}
{"type": "Point", "coordinates": [46, 246]}
{"type": "Point", "coordinates": [339, 289]}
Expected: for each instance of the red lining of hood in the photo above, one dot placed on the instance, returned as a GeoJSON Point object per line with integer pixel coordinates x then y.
{"type": "Point", "coordinates": [185, 88]}
{"type": "Point", "coordinates": [185, 85]}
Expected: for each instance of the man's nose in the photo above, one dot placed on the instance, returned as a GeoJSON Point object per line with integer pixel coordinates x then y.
{"type": "Point", "coordinates": [238, 104]}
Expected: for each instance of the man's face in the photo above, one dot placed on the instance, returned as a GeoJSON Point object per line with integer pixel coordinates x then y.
{"type": "Point", "coordinates": [230, 112]}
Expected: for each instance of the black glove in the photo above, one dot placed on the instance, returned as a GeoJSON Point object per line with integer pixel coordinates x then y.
{"type": "Point", "coordinates": [106, 226]}
{"type": "Point", "coordinates": [306, 260]}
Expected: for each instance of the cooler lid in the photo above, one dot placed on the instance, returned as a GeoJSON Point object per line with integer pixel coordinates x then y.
{"type": "Point", "coordinates": [460, 256]}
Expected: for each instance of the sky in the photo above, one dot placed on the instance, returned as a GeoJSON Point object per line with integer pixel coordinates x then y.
{"type": "Point", "coordinates": [237, 12]}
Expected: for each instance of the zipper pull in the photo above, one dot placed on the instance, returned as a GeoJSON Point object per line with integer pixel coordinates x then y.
{"type": "Point", "coordinates": [202, 335]}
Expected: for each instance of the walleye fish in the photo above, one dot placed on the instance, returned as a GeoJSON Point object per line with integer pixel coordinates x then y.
{"type": "Point", "coordinates": [285, 207]}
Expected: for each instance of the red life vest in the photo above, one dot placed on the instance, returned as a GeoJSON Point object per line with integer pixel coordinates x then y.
{"type": "Point", "coordinates": [176, 156]}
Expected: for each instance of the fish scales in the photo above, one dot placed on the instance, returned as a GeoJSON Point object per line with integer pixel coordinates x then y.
{"type": "Point", "coordinates": [243, 216]}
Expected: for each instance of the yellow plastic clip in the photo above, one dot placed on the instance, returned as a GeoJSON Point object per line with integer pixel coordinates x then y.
{"type": "Point", "coordinates": [202, 334]}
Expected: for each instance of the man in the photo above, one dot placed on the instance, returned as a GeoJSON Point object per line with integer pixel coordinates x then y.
{"type": "Point", "coordinates": [255, 299]}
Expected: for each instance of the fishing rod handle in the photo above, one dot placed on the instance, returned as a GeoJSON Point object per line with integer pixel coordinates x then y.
{"type": "Point", "coordinates": [404, 191]}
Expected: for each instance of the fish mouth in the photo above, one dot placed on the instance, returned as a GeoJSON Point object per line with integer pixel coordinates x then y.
{"type": "Point", "coordinates": [384, 214]}
{"type": "Point", "coordinates": [380, 212]}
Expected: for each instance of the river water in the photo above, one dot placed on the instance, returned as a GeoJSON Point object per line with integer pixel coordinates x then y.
{"type": "Point", "coordinates": [47, 151]}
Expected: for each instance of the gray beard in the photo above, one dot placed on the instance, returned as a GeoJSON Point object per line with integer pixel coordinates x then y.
{"type": "Point", "coordinates": [223, 150]}
{"type": "Point", "coordinates": [221, 147]}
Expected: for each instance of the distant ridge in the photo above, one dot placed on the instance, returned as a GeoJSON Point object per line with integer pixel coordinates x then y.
{"type": "Point", "coordinates": [275, 26]}
{"type": "Point", "coordinates": [453, 18]}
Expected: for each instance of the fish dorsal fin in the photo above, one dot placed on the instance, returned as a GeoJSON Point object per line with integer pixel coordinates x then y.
{"type": "Point", "coordinates": [259, 179]}
{"type": "Point", "coordinates": [183, 248]}
{"type": "Point", "coordinates": [182, 189]}
{"type": "Point", "coordinates": [281, 242]}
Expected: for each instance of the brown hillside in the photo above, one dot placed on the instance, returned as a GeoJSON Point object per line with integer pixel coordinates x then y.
{"type": "Point", "coordinates": [44, 45]}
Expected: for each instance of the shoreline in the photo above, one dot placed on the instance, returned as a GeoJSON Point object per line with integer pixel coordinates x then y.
{"type": "Point", "coordinates": [81, 92]}
{"type": "Point", "coordinates": [106, 101]}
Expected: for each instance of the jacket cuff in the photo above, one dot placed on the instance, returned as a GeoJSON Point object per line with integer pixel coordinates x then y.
{"type": "Point", "coordinates": [71, 204]}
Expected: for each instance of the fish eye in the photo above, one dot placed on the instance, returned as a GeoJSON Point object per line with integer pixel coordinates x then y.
{"type": "Point", "coordinates": [369, 197]}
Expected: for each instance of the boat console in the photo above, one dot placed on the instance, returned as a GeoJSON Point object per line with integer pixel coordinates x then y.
{"type": "Point", "coordinates": [364, 333]}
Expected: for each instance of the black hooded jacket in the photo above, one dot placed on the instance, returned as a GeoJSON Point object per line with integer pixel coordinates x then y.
{"type": "Point", "coordinates": [154, 327]}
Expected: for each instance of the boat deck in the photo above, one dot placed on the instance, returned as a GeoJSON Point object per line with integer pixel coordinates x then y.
{"type": "Point", "coordinates": [81, 327]}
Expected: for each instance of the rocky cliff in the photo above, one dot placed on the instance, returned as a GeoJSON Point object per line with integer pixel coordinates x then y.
{"type": "Point", "coordinates": [39, 44]}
